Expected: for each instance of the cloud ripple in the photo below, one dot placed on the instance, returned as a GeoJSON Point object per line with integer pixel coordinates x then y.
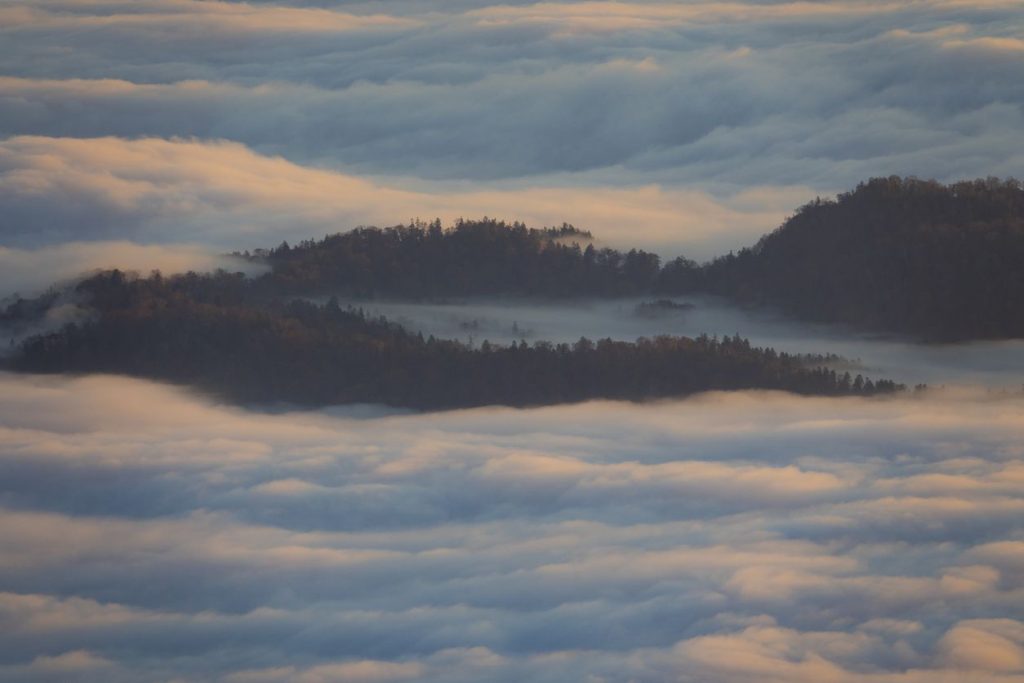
{"type": "Point", "coordinates": [152, 535]}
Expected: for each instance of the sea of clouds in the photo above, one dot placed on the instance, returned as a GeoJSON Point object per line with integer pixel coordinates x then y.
{"type": "Point", "coordinates": [150, 534]}
{"type": "Point", "coordinates": [153, 535]}
{"type": "Point", "coordinates": [691, 126]}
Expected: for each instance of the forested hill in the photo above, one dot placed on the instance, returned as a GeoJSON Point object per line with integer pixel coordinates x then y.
{"type": "Point", "coordinates": [938, 262]}
{"type": "Point", "coordinates": [217, 332]}
{"type": "Point", "coordinates": [472, 258]}
{"type": "Point", "coordinates": [931, 261]}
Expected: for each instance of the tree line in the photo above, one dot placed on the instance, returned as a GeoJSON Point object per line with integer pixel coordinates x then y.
{"type": "Point", "coordinates": [937, 262]}
{"type": "Point", "coordinates": [471, 258]}
{"type": "Point", "coordinates": [219, 333]}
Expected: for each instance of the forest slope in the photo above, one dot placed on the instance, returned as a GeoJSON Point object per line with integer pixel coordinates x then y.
{"type": "Point", "coordinates": [930, 261]}
{"type": "Point", "coordinates": [216, 332]}
{"type": "Point", "coordinates": [936, 262]}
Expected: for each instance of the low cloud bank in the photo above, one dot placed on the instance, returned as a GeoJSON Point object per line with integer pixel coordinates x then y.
{"type": "Point", "coordinates": [169, 191]}
{"type": "Point", "coordinates": [153, 535]}
{"type": "Point", "coordinates": [693, 125]}
{"type": "Point", "coordinates": [735, 94]}
{"type": "Point", "coordinates": [28, 271]}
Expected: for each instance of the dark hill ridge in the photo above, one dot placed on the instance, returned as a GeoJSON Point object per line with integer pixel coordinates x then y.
{"type": "Point", "coordinates": [936, 262]}
{"type": "Point", "coordinates": [472, 258]}
{"type": "Point", "coordinates": [917, 258]}
{"type": "Point", "coordinates": [218, 333]}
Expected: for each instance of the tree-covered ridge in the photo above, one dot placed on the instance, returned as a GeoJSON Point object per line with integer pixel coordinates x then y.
{"type": "Point", "coordinates": [471, 258]}
{"type": "Point", "coordinates": [939, 262]}
{"type": "Point", "coordinates": [215, 332]}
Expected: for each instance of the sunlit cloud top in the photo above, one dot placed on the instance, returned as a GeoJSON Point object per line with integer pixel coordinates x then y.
{"type": "Point", "coordinates": [707, 101]}
{"type": "Point", "coordinates": [727, 538]}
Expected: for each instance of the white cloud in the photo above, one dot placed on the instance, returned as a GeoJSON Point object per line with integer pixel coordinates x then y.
{"type": "Point", "coordinates": [209, 18]}
{"type": "Point", "coordinates": [716, 538]}
{"type": "Point", "coordinates": [154, 190]}
{"type": "Point", "coordinates": [151, 535]}
{"type": "Point", "coordinates": [720, 96]}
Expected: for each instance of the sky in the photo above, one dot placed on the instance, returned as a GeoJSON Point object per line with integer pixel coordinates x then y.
{"type": "Point", "coordinates": [149, 534]}
{"type": "Point", "coordinates": [690, 127]}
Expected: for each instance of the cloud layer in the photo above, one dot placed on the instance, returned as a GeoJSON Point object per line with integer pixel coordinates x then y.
{"type": "Point", "coordinates": [222, 193]}
{"type": "Point", "coordinates": [152, 535]}
{"type": "Point", "coordinates": [819, 94]}
{"type": "Point", "coordinates": [653, 116]}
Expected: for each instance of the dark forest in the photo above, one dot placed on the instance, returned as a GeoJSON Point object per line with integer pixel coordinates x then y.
{"type": "Point", "coordinates": [933, 262]}
{"type": "Point", "coordinates": [939, 263]}
{"type": "Point", "coordinates": [218, 333]}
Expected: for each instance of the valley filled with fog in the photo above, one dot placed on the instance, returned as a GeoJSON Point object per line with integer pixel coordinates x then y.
{"type": "Point", "coordinates": [988, 363]}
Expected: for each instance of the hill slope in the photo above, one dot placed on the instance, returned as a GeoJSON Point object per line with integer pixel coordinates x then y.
{"type": "Point", "coordinates": [216, 332]}
{"type": "Point", "coordinates": [937, 262]}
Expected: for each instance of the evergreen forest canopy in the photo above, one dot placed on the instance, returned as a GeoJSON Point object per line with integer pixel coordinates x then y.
{"type": "Point", "coordinates": [935, 262]}
{"type": "Point", "coordinates": [219, 333]}
{"type": "Point", "coordinates": [472, 258]}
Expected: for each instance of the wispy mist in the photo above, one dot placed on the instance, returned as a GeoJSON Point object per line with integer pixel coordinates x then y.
{"type": "Point", "coordinates": [993, 364]}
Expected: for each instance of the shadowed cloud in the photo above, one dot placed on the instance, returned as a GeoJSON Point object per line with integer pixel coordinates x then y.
{"type": "Point", "coordinates": [708, 540]}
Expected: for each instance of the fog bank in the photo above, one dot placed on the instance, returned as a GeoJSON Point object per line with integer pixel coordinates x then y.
{"type": "Point", "coordinates": [717, 539]}
{"type": "Point", "coordinates": [990, 363]}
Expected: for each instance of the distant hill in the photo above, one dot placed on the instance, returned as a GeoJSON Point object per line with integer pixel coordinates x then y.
{"type": "Point", "coordinates": [931, 261]}
{"type": "Point", "coordinates": [219, 333]}
{"type": "Point", "coordinates": [471, 258]}
{"type": "Point", "coordinates": [936, 262]}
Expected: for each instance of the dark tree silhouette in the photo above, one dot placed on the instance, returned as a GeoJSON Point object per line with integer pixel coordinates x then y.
{"type": "Point", "coordinates": [937, 262]}
{"type": "Point", "coordinates": [218, 333]}
{"type": "Point", "coordinates": [472, 258]}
